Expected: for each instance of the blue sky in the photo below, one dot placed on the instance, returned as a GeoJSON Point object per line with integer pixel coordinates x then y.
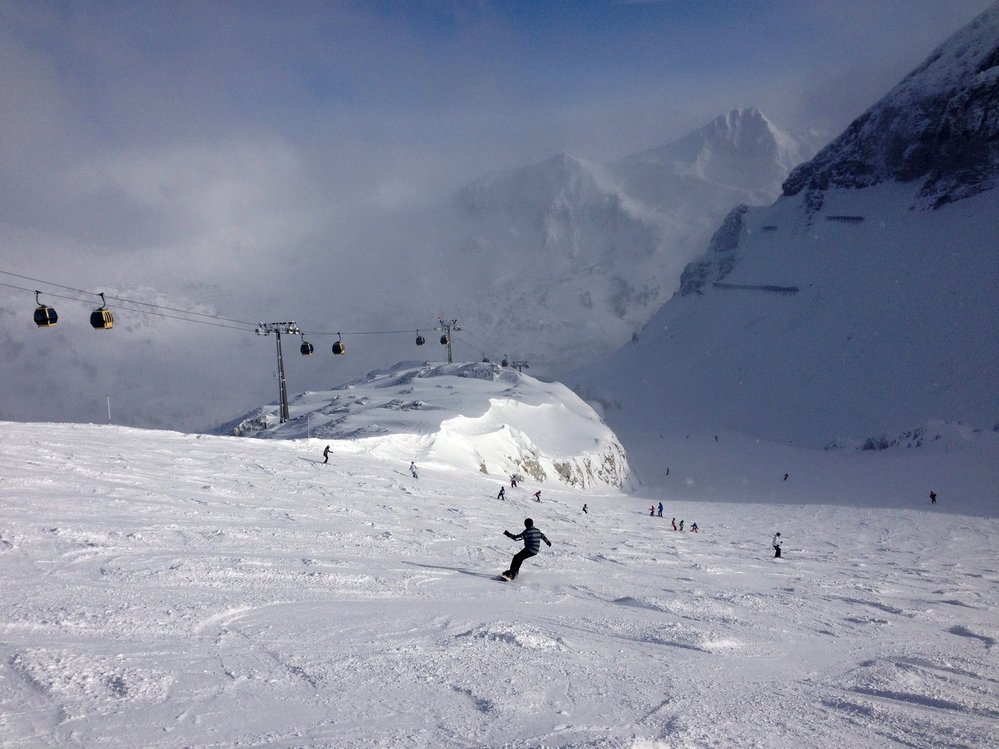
{"type": "Point", "coordinates": [492, 79]}
{"type": "Point", "coordinates": [396, 102]}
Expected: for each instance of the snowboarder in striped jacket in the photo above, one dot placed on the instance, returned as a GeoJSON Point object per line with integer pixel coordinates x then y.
{"type": "Point", "coordinates": [532, 538]}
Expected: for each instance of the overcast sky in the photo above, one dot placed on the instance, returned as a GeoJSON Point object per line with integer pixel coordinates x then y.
{"type": "Point", "coordinates": [240, 155]}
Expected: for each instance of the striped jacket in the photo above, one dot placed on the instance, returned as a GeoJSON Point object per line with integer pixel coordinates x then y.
{"type": "Point", "coordinates": [532, 539]}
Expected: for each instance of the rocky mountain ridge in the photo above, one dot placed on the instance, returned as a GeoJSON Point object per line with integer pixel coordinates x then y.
{"type": "Point", "coordinates": [940, 125]}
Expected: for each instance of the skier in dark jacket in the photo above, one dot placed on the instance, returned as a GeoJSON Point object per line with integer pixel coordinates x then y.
{"type": "Point", "coordinates": [326, 454]}
{"type": "Point", "coordinates": [532, 538]}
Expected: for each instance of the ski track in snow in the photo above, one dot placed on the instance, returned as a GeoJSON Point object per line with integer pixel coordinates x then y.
{"type": "Point", "coordinates": [168, 590]}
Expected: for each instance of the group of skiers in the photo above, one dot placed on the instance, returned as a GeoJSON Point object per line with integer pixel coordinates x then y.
{"type": "Point", "coordinates": [513, 484]}
{"type": "Point", "coordinates": [654, 513]}
{"type": "Point", "coordinates": [532, 536]}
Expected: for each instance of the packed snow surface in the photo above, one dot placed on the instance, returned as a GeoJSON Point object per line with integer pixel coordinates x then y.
{"type": "Point", "coordinates": [170, 590]}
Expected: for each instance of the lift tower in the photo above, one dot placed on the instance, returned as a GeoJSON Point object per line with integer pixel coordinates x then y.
{"type": "Point", "coordinates": [277, 328]}
{"type": "Point", "coordinates": [447, 326]}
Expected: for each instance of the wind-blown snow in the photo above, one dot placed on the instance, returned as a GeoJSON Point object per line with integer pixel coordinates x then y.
{"type": "Point", "coordinates": [472, 416]}
{"type": "Point", "coordinates": [172, 590]}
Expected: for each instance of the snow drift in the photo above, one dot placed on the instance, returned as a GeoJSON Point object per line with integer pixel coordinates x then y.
{"type": "Point", "coordinates": [480, 416]}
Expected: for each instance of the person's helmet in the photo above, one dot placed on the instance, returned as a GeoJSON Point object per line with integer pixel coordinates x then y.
{"type": "Point", "coordinates": [528, 522]}
{"type": "Point", "coordinates": [778, 533]}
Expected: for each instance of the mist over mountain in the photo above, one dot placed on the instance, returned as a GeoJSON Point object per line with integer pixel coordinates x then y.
{"type": "Point", "coordinates": [546, 263]}
{"type": "Point", "coordinates": [855, 310]}
{"type": "Point", "coordinates": [568, 254]}
{"type": "Point", "coordinates": [940, 125]}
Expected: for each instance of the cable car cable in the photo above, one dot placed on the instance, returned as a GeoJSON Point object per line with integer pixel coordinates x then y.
{"type": "Point", "coordinates": [122, 299]}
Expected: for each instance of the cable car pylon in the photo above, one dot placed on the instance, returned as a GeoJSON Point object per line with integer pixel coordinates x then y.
{"type": "Point", "coordinates": [446, 327]}
{"type": "Point", "coordinates": [277, 328]}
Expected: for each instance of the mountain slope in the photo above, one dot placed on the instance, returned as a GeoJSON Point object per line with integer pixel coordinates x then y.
{"type": "Point", "coordinates": [939, 125]}
{"type": "Point", "coordinates": [568, 254]}
{"type": "Point", "coordinates": [839, 315]}
{"type": "Point", "coordinates": [172, 590]}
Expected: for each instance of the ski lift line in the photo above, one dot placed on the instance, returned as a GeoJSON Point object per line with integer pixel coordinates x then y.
{"type": "Point", "coordinates": [488, 347]}
{"type": "Point", "coordinates": [128, 309]}
{"type": "Point", "coordinates": [252, 326]}
{"type": "Point", "coordinates": [363, 332]}
{"type": "Point", "coordinates": [121, 299]}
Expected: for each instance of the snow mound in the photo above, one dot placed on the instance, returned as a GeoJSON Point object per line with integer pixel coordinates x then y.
{"type": "Point", "coordinates": [478, 415]}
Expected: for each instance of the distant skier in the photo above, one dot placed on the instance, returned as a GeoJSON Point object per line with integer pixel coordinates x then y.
{"type": "Point", "coordinates": [652, 511]}
{"type": "Point", "coordinates": [933, 498]}
{"type": "Point", "coordinates": [693, 527]}
{"type": "Point", "coordinates": [513, 482]}
{"type": "Point", "coordinates": [785, 476]}
{"type": "Point", "coordinates": [776, 545]}
{"type": "Point", "coordinates": [326, 455]}
{"type": "Point", "coordinates": [585, 511]}
{"type": "Point", "coordinates": [502, 493]}
{"type": "Point", "coordinates": [667, 470]}
{"type": "Point", "coordinates": [532, 538]}
{"type": "Point", "coordinates": [412, 470]}
{"type": "Point", "coordinates": [660, 509]}
{"type": "Point", "coordinates": [674, 523]}
{"type": "Point", "coordinates": [537, 496]}
{"type": "Point", "coordinates": [681, 525]}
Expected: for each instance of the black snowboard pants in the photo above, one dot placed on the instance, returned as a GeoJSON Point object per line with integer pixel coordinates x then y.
{"type": "Point", "coordinates": [776, 552]}
{"type": "Point", "coordinates": [518, 559]}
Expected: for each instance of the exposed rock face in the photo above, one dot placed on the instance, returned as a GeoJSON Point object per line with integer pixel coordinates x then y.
{"type": "Point", "coordinates": [720, 258]}
{"type": "Point", "coordinates": [940, 124]}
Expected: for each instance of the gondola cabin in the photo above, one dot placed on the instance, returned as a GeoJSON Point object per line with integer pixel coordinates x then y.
{"type": "Point", "coordinates": [339, 348]}
{"type": "Point", "coordinates": [101, 318]}
{"type": "Point", "coordinates": [307, 348]}
{"type": "Point", "coordinates": [45, 316]}
{"type": "Point", "coordinates": [420, 340]}
{"type": "Point", "coordinates": [444, 340]}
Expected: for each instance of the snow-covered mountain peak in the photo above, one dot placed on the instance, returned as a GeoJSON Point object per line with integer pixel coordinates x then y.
{"type": "Point", "coordinates": [560, 178]}
{"type": "Point", "coordinates": [572, 253]}
{"type": "Point", "coordinates": [940, 124]}
{"type": "Point", "coordinates": [740, 149]}
{"type": "Point", "coordinates": [476, 416]}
